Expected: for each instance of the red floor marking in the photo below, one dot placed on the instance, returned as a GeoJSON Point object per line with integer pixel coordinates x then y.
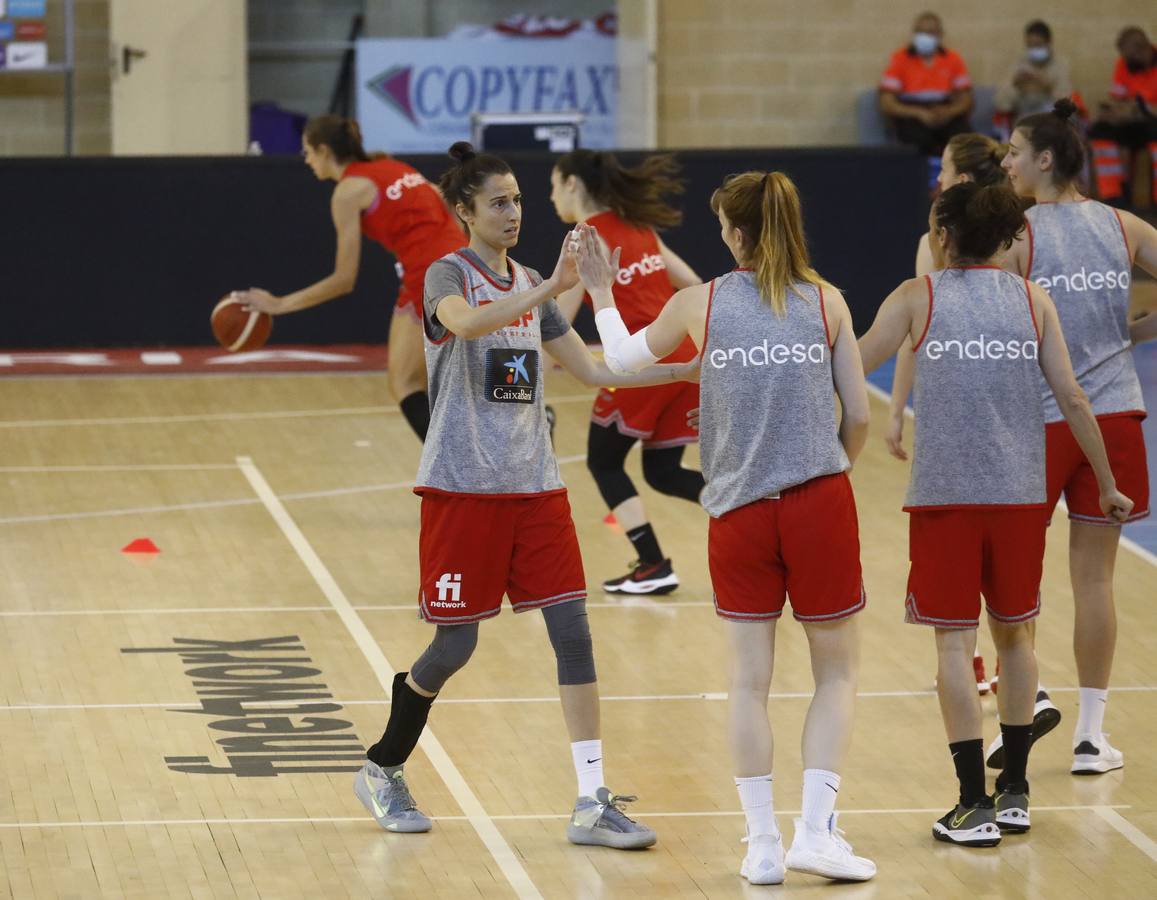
{"type": "Point", "coordinates": [195, 360]}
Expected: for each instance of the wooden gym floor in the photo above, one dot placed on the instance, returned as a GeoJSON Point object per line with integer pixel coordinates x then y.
{"type": "Point", "coordinates": [281, 508]}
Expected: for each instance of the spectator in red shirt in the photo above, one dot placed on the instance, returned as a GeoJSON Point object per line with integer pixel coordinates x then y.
{"type": "Point", "coordinates": [925, 92]}
{"type": "Point", "coordinates": [1129, 119]}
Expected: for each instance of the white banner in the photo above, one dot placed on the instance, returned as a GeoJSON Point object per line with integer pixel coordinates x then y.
{"type": "Point", "coordinates": [27, 55]}
{"type": "Point", "coordinates": [416, 95]}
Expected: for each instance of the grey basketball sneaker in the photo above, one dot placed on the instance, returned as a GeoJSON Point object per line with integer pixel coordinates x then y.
{"type": "Point", "coordinates": [600, 821]}
{"type": "Point", "coordinates": [1012, 811]}
{"type": "Point", "coordinates": [387, 798]}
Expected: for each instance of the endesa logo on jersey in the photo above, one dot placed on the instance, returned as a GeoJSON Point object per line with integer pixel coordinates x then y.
{"type": "Point", "coordinates": [511, 375]}
{"type": "Point", "coordinates": [1083, 280]}
{"type": "Point", "coordinates": [409, 180]}
{"type": "Point", "coordinates": [766, 354]}
{"type": "Point", "coordinates": [980, 348]}
{"type": "Point", "coordinates": [648, 265]}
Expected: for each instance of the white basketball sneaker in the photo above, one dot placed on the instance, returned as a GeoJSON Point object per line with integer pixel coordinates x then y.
{"type": "Point", "coordinates": [1093, 754]}
{"type": "Point", "coordinates": [764, 861]}
{"type": "Point", "coordinates": [824, 852]}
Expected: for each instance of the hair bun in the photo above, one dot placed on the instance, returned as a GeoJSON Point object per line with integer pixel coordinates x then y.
{"type": "Point", "coordinates": [1064, 109]}
{"type": "Point", "coordinates": [462, 151]}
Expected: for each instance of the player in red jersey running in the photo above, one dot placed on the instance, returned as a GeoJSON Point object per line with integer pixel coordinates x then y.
{"type": "Point", "coordinates": [627, 205]}
{"type": "Point", "coordinates": [391, 203]}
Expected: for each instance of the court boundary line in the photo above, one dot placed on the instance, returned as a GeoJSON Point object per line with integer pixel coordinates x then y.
{"type": "Point", "coordinates": [1128, 543]}
{"type": "Point", "coordinates": [41, 518]}
{"type": "Point", "coordinates": [1131, 832]}
{"type": "Point", "coordinates": [709, 696]}
{"type": "Point", "coordinates": [234, 416]}
{"type": "Point", "coordinates": [440, 760]}
{"type": "Point", "coordinates": [524, 817]}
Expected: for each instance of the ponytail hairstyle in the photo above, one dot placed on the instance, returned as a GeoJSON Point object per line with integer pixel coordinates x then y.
{"type": "Point", "coordinates": [462, 180]}
{"type": "Point", "coordinates": [1057, 132]}
{"type": "Point", "coordinates": [342, 136]}
{"type": "Point", "coordinates": [979, 220]}
{"type": "Point", "coordinates": [636, 194]}
{"type": "Point", "coordinates": [765, 207]}
{"type": "Point", "coordinates": [978, 156]}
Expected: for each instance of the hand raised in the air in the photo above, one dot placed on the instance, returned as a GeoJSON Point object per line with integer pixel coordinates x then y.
{"type": "Point", "coordinates": [565, 275]}
{"type": "Point", "coordinates": [596, 267]}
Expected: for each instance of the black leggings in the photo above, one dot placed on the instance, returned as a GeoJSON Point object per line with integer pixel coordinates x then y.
{"type": "Point", "coordinates": [607, 451]}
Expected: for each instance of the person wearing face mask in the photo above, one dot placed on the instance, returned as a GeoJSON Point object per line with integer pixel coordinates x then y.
{"type": "Point", "coordinates": [1038, 79]}
{"type": "Point", "coordinates": [1128, 121]}
{"type": "Point", "coordinates": [926, 91]}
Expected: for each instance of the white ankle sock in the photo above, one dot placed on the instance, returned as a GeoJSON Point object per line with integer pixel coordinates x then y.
{"type": "Point", "coordinates": [588, 766]}
{"type": "Point", "coordinates": [820, 788]}
{"type": "Point", "coordinates": [1092, 716]}
{"type": "Point", "coordinates": [755, 797]}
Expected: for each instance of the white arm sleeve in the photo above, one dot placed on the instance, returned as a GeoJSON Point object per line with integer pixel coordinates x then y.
{"type": "Point", "coordinates": [625, 353]}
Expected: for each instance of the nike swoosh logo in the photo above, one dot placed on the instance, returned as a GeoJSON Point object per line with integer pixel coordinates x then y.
{"type": "Point", "coordinates": [378, 811]}
{"type": "Point", "coordinates": [957, 821]}
{"type": "Point", "coordinates": [592, 761]}
{"type": "Point", "coordinates": [835, 790]}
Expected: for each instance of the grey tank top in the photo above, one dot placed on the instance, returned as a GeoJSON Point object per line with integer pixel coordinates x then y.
{"type": "Point", "coordinates": [1078, 254]}
{"type": "Point", "coordinates": [767, 399]}
{"type": "Point", "coordinates": [488, 431]}
{"type": "Point", "coordinates": [980, 428]}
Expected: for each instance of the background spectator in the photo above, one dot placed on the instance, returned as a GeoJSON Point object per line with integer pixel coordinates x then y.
{"type": "Point", "coordinates": [1128, 119]}
{"type": "Point", "coordinates": [926, 91]}
{"type": "Point", "coordinates": [1038, 79]}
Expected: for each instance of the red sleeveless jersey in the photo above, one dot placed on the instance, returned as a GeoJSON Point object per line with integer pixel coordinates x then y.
{"type": "Point", "coordinates": [642, 287]}
{"type": "Point", "coordinates": [407, 216]}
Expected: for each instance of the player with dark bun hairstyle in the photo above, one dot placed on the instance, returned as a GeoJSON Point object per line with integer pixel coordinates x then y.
{"type": "Point", "coordinates": [1083, 252]}
{"type": "Point", "coordinates": [495, 517]}
{"type": "Point", "coordinates": [391, 203]}
{"type": "Point", "coordinates": [982, 337]}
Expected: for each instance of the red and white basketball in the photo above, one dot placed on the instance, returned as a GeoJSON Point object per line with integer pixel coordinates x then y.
{"type": "Point", "coordinates": [238, 330]}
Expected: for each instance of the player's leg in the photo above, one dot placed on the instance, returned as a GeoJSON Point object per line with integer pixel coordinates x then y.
{"type": "Point", "coordinates": [406, 371]}
{"type": "Point", "coordinates": [607, 451]}
{"type": "Point", "coordinates": [381, 785]}
{"type": "Point", "coordinates": [1017, 700]}
{"type": "Point", "coordinates": [1092, 558]}
{"type": "Point", "coordinates": [752, 655]}
{"type": "Point", "coordinates": [546, 532]}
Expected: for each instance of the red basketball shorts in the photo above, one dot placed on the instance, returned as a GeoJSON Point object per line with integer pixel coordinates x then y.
{"type": "Point", "coordinates": [958, 554]}
{"type": "Point", "coordinates": [805, 545]}
{"type": "Point", "coordinates": [655, 415]}
{"type": "Point", "coordinates": [1070, 473]}
{"type": "Point", "coordinates": [473, 549]}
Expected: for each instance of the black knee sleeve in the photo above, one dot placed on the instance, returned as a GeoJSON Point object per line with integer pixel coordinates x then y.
{"type": "Point", "coordinates": [663, 470]}
{"type": "Point", "coordinates": [606, 455]}
{"type": "Point", "coordinates": [570, 635]}
{"type": "Point", "coordinates": [451, 649]}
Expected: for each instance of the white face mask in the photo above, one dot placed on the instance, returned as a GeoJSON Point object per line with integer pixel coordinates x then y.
{"type": "Point", "coordinates": [925, 43]}
{"type": "Point", "coordinates": [1038, 54]}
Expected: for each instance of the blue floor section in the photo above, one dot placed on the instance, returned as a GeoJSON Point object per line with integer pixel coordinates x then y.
{"type": "Point", "coordinates": [1144, 532]}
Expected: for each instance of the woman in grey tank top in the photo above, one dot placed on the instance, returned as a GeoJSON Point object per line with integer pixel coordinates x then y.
{"type": "Point", "coordinates": [1083, 252]}
{"type": "Point", "coordinates": [977, 491]}
{"type": "Point", "coordinates": [777, 347]}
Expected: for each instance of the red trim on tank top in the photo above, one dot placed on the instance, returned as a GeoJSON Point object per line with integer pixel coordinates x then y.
{"type": "Point", "coordinates": [707, 321]}
{"type": "Point", "coordinates": [743, 269]}
{"type": "Point", "coordinates": [998, 268]}
{"type": "Point", "coordinates": [1031, 310]}
{"type": "Point", "coordinates": [1124, 236]}
{"type": "Point", "coordinates": [1031, 248]}
{"type": "Point", "coordinates": [824, 313]}
{"type": "Point", "coordinates": [928, 324]}
{"type": "Point", "coordinates": [485, 274]}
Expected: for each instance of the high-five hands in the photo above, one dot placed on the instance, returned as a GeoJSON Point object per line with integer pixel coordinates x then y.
{"type": "Point", "coordinates": [597, 268]}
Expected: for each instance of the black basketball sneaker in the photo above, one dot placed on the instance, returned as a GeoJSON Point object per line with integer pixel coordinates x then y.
{"type": "Point", "coordinates": [645, 578]}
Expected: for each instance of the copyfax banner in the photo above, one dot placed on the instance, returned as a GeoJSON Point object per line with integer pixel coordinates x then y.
{"type": "Point", "coordinates": [417, 95]}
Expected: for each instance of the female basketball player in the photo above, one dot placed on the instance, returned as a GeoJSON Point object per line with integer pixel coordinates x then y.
{"type": "Point", "coordinates": [627, 205]}
{"type": "Point", "coordinates": [774, 338]}
{"type": "Point", "coordinates": [967, 157]}
{"type": "Point", "coordinates": [391, 203]}
{"type": "Point", "coordinates": [977, 492]}
{"type": "Point", "coordinates": [495, 516]}
{"type": "Point", "coordinates": [1082, 252]}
